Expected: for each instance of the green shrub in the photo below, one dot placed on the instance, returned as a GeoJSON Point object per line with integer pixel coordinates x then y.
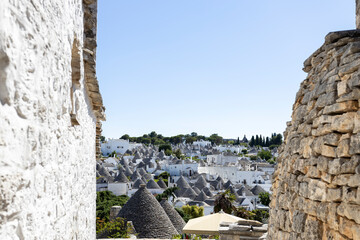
{"type": "Point", "coordinates": [105, 200]}
{"type": "Point", "coordinates": [117, 228]}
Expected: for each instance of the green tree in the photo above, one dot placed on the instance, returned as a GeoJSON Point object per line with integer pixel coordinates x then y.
{"type": "Point", "coordinates": [243, 213]}
{"type": "Point", "coordinates": [194, 134]}
{"type": "Point", "coordinates": [215, 138]}
{"type": "Point", "coordinates": [193, 211]}
{"type": "Point", "coordinates": [168, 152]}
{"type": "Point", "coordinates": [165, 147]}
{"type": "Point", "coordinates": [260, 215]}
{"type": "Point", "coordinates": [113, 154]}
{"type": "Point", "coordinates": [178, 153]}
{"type": "Point", "coordinates": [244, 151]}
{"type": "Point", "coordinates": [117, 228]}
{"type": "Point", "coordinates": [153, 134]}
{"type": "Point", "coordinates": [190, 139]}
{"type": "Point", "coordinates": [102, 138]}
{"type": "Point", "coordinates": [164, 175]}
{"type": "Point", "coordinates": [264, 198]}
{"type": "Point", "coordinates": [183, 214]}
{"type": "Point", "coordinates": [125, 136]}
{"type": "Point", "coordinates": [105, 200]}
{"type": "Point", "coordinates": [169, 192]}
{"type": "Point", "coordinates": [224, 201]}
{"type": "Point", "coordinates": [252, 141]}
{"type": "Point", "coordinates": [263, 154]}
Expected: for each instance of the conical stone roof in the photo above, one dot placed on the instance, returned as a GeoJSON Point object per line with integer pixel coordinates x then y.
{"type": "Point", "coordinates": [103, 172]}
{"type": "Point", "coordinates": [161, 184]}
{"type": "Point", "coordinates": [173, 215]}
{"type": "Point", "coordinates": [152, 185]}
{"type": "Point", "coordinates": [137, 183]}
{"type": "Point", "coordinates": [128, 172]}
{"type": "Point", "coordinates": [196, 190]}
{"type": "Point", "coordinates": [257, 190]}
{"type": "Point", "coordinates": [182, 183]}
{"type": "Point", "coordinates": [228, 184]}
{"type": "Point", "coordinates": [135, 176]}
{"type": "Point", "coordinates": [121, 178]}
{"type": "Point", "coordinates": [201, 182]}
{"type": "Point", "coordinates": [189, 193]}
{"type": "Point", "coordinates": [207, 192]}
{"type": "Point", "coordinates": [244, 190]}
{"type": "Point", "coordinates": [201, 197]}
{"type": "Point", "coordinates": [219, 179]}
{"type": "Point", "coordinates": [141, 171]}
{"type": "Point", "coordinates": [147, 176]}
{"type": "Point", "coordinates": [148, 217]}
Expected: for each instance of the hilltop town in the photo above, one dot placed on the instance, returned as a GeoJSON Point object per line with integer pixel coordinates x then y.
{"type": "Point", "coordinates": [200, 170]}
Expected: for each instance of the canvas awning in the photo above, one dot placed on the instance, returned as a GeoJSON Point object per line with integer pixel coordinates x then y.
{"type": "Point", "coordinates": [209, 225]}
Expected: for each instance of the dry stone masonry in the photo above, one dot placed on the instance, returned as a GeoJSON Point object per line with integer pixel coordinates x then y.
{"type": "Point", "coordinates": [50, 113]}
{"type": "Point", "coordinates": [316, 187]}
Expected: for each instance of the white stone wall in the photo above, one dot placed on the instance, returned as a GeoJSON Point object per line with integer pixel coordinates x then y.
{"type": "Point", "coordinates": [47, 166]}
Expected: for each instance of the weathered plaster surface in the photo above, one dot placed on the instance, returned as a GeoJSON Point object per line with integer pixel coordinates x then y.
{"type": "Point", "coordinates": [47, 165]}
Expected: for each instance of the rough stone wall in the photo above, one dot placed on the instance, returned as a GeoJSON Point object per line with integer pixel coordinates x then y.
{"type": "Point", "coordinates": [316, 186]}
{"type": "Point", "coordinates": [49, 107]}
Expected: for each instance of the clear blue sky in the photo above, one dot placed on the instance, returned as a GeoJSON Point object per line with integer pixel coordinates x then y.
{"type": "Point", "coordinates": [211, 66]}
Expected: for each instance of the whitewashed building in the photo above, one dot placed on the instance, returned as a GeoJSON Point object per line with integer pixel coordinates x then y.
{"type": "Point", "coordinates": [181, 168]}
{"type": "Point", "coordinates": [202, 143]}
{"type": "Point", "coordinates": [233, 174]}
{"type": "Point", "coordinates": [220, 159]}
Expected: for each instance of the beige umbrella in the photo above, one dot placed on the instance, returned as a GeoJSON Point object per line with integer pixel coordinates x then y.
{"type": "Point", "coordinates": [209, 225]}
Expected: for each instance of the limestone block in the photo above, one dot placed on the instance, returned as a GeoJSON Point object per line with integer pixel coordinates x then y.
{"type": "Point", "coordinates": [305, 147]}
{"type": "Point", "coordinates": [328, 151]}
{"type": "Point", "coordinates": [322, 130]}
{"type": "Point", "coordinates": [342, 88]}
{"type": "Point", "coordinates": [355, 144]}
{"type": "Point", "coordinates": [335, 165]}
{"type": "Point", "coordinates": [313, 229]}
{"type": "Point", "coordinates": [351, 180]}
{"type": "Point", "coordinates": [313, 172]}
{"type": "Point", "coordinates": [331, 139]}
{"type": "Point", "coordinates": [354, 81]}
{"type": "Point", "coordinates": [341, 107]}
{"type": "Point", "coordinates": [317, 190]}
{"type": "Point", "coordinates": [349, 195]}
{"type": "Point", "coordinates": [354, 94]}
{"type": "Point", "coordinates": [332, 219]}
{"type": "Point", "coordinates": [351, 49]}
{"type": "Point", "coordinates": [357, 122]}
{"type": "Point", "coordinates": [326, 177]}
{"type": "Point", "coordinates": [326, 99]}
{"type": "Point", "coordinates": [298, 221]}
{"type": "Point", "coordinates": [349, 68]}
{"type": "Point", "coordinates": [323, 119]}
{"type": "Point", "coordinates": [334, 194]}
{"type": "Point", "coordinates": [343, 123]}
{"type": "Point", "coordinates": [350, 166]}
{"type": "Point", "coordinates": [343, 148]}
{"type": "Point", "coordinates": [346, 227]}
{"type": "Point", "coordinates": [304, 190]}
{"type": "Point", "coordinates": [351, 211]}
{"type": "Point", "coordinates": [322, 163]}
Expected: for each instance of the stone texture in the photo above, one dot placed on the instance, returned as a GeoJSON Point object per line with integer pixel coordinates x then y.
{"type": "Point", "coordinates": [316, 183]}
{"type": "Point", "coordinates": [47, 159]}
